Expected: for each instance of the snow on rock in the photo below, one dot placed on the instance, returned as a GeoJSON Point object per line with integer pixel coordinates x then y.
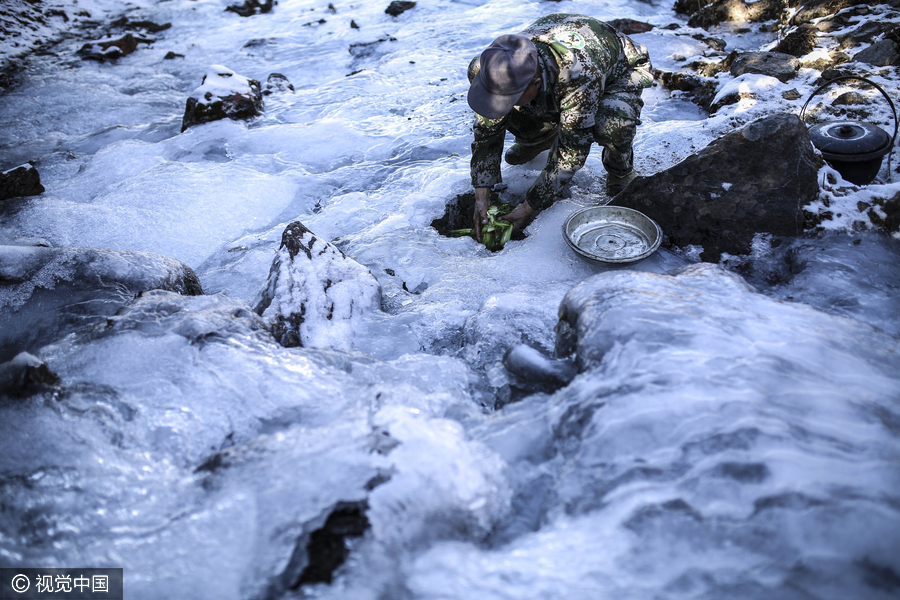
{"type": "Point", "coordinates": [25, 375]}
{"type": "Point", "coordinates": [315, 295]}
{"type": "Point", "coordinates": [20, 181]}
{"type": "Point", "coordinates": [46, 293]}
{"type": "Point", "coordinates": [223, 94]}
{"type": "Point", "coordinates": [749, 87]}
{"type": "Point", "coordinates": [112, 48]}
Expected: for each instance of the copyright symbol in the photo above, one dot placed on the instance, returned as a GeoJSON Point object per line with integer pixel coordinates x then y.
{"type": "Point", "coordinates": [20, 583]}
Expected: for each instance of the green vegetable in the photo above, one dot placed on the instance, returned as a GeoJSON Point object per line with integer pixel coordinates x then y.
{"type": "Point", "coordinates": [496, 232]}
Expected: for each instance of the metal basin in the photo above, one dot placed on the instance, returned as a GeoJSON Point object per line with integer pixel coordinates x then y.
{"type": "Point", "coordinates": [612, 235]}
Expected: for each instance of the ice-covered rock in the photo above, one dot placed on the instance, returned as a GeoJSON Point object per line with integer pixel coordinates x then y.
{"type": "Point", "coordinates": [20, 181]}
{"type": "Point", "coordinates": [223, 94]}
{"type": "Point", "coordinates": [750, 181]}
{"type": "Point", "coordinates": [109, 49]}
{"type": "Point", "coordinates": [316, 295]}
{"type": "Point", "coordinates": [46, 293]}
{"type": "Point", "coordinates": [25, 375]}
{"type": "Point", "coordinates": [277, 82]}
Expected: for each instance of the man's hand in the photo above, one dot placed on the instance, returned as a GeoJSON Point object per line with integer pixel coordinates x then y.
{"type": "Point", "coordinates": [519, 217]}
{"type": "Point", "coordinates": [479, 216]}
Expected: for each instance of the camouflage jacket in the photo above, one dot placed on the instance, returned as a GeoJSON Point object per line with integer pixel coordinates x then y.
{"type": "Point", "coordinates": [578, 57]}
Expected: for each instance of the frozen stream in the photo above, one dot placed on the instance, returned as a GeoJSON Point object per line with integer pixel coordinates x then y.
{"type": "Point", "coordinates": [733, 433]}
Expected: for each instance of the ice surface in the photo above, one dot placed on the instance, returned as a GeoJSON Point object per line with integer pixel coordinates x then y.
{"type": "Point", "coordinates": [733, 431]}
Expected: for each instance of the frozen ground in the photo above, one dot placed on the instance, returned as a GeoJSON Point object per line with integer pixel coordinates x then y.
{"type": "Point", "coordinates": [731, 442]}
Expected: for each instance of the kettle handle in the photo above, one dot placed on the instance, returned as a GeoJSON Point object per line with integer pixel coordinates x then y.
{"type": "Point", "coordinates": [872, 83]}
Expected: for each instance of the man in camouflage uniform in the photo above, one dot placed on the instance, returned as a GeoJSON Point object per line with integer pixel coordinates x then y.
{"type": "Point", "coordinates": [565, 82]}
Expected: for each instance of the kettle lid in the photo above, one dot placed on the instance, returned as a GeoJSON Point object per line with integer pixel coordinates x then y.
{"type": "Point", "coordinates": [847, 138]}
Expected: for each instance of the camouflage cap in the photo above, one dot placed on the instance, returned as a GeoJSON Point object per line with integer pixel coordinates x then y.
{"type": "Point", "coordinates": [507, 67]}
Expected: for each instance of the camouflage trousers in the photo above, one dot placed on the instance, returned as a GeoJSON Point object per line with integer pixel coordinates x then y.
{"type": "Point", "coordinates": [615, 125]}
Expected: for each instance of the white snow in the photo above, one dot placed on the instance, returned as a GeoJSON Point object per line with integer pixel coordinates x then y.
{"type": "Point", "coordinates": [220, 82]}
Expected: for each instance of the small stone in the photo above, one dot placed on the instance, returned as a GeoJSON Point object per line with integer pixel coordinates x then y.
{"type": "Point", "coordinates": [353, 24]}
{"type": "Point", "coordinates": [630, 26]}
{"type": "Point", "coordinates": [791, 94]}
{"type": "Point", "coordinates": [862, 206]}
{"type": "Point", "coordinates": [398, 7]}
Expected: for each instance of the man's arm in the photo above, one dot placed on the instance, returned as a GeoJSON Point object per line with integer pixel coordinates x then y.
{"type": "Point", "coordinates": [487, 149]}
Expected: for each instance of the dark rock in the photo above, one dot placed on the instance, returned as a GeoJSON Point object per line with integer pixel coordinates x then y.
{"type": "Point", "coordinates": [774, 64]}
{"type": "Point", "coordinates": [719, 11]}
{"type": "Point", "coordinates": [880, 54]}
{"type": "Point", "coordinates": [868, 31]}
{"type": "Point", "coordinates": [251, 7]}
{"type": "Point", "coordinates": [244, 99]}
{"type": "Point", "coordinates": [21, 181]}
{"type": "Point", "coordinates": [317, 556]}
{"type": "Point", "coordinates": [850, 99]}
{"type": "Point", "coordinates": [892, 209]}
{"type": "Point", "coordinates": [700, 90]}
{"type": "Point", "coordinates": [814, 9]}
{"type": "Point", "coordinates": [711, 69]}
{"type": "Point", "coordinates": [171, 55]}
{"type": "Point", "coordinates": [315, 293]}
{"type": "Point", "coordinates": [277, 83]}
{"type": "Point", "coordinates": [688, 7]}
{"type": "Point", "coordinates": [46, 293]}
{"type": "Point", "coordinates": [353, 24]}
{"type": "Point", "coordinates": [715, 43]}
{"type": "Point", "coordinates": [541, 372]}
{"type": "Point", "coordinates": [25, 375]}
{"type": "Point", "coordinates": [398, 7]}
{"type": "Point", "coordinates": [710, 15]}
{"type": "Point", "coordinates": [750, 181]}
{"type": "Point", "coordinates": [834, 59]}
{"type": "Point", "coordinates": [630, 26]}
{"type": "Point", "coordinates": [112, 49]}
{"type": "Point", "coordinates": [799, 42]}
{"type": "Point", "coordinates": [149, 26]}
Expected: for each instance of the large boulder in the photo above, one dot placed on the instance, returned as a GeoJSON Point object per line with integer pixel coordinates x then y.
{"type": "Point", "coordinates": [880, 54]}
{"type": "Point", "coordinates": [46, 293]}
{"type": "Point", "coordinates": [21, 181]}
{"type": "Point", "coordinates": [316, 295]}
{"type": "Point", "coordinates": [747, 182]}
{"type": "Point", "coordinates": [782, 67]}
{"type": "Point", "coordinates": [223, 94]}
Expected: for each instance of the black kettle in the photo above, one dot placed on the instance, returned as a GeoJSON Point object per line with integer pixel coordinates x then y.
{"type": "Point", "coordinates": [854, 149]}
